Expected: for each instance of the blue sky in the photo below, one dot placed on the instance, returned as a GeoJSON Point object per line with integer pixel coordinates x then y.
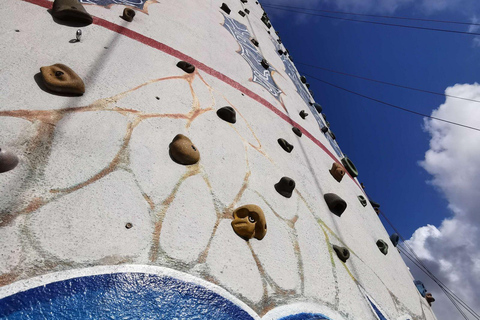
{"type": "Point", "coordinates": [387, 145]}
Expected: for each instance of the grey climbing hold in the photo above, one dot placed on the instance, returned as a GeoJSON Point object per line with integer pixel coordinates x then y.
{"type": "Point", "coordinates": [395, 239]}
{"type": "Point", "coordinates": [185, 66]}
{"type": "Point", "coordinates": [227, 114]}
{"type": "Point", "coordinates": [303, 114]}
{"type": "Point", "coordinates": [264, 63]}
{"type": "Point", "coordinates": [297, 131]}
{"type": "Point", "coordinates": [71, 11]}
{"type": "Point", "coordinates": [285, 186]}
{"type": "Point", "coordinates": [285, 145]}
{"type": "Point", "coordinates": [225, 8]}
{"type": "Point", "coordinates": [128, 14]}
{"type": "Point", "coordinates": [362, 200]}
{"type": "Point", "coordinates": [8, 160]}
{"type": "Point", "coordinates": [342, 253]}
{"type": "Point", "coordinates": [382, 246]}
{"type": "Point", "coordinates": [336, 204]}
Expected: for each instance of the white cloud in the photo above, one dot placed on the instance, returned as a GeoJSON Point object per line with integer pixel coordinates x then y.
{"type": "Point", "coordinates": [452, 251]}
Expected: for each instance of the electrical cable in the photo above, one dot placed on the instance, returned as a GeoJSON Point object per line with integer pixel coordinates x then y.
{"type": "Point", "coordinates": [386, 83]}
{"type": "Point", "coordinates": [378, 23]}
{"type": "Point", "coordinates": [392, 105]}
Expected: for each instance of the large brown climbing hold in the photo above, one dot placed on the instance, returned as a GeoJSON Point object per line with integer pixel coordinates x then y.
{"type": "Point", "coordinates": [337, 171]}
{"type": "Point", "coordinates": [227, 114]}
{"type": "Point", "coordinates": [8, 160]}
{"type": "Point", "coordinates": [285, 186]}
{"type": "Point", "coordinates": [285, 145]}
{"type": "Point", "coordinates": [182, 150]}
{"type": "Point", "coordinates": [342, 253]}
{"type": "Point", "coordinates": [429, 298]}
{"type": "Point", "coordinates": [249, 222]}
{"type": "Point", "coordinates": [297, 131]}
{"type": "Point", "coordinates": [336, 204]}
{"type": "Point", "coordinates": [303, 114]}
{"type": "Point", "coordinates": [71, 11]}
{"type": "Point", "coordinates": [128, 14]}
{"type": "Point", "coordinates": [185, 66]}
{"type": "Point", "coordinates": [60, 78]}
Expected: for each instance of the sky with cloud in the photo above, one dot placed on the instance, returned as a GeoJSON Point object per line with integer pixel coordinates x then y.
{"type": "Point", "coordinates": [424, 173]}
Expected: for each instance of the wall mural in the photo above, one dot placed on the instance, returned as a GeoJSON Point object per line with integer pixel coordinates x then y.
{"type": "Point", "coordinates": [139, 4]}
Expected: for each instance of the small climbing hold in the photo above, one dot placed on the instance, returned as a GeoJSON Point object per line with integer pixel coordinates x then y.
{"type": "Point", "coordinates": [185, 66]}
{"type": "Point", "coordinates": [244, 1]}
{"type": "Point", "coordinates": [327, 124]}
{"type": "Point", "coordinates": [158, 98]}
{"type": "Point", "coordinates": [297, 131]}
{"type": "Point", "coordinates": [280, 51]}
{"type": "Point", "coordinates": [337, 171]}
{"type": "Point", "coordinates": [227, 114]}
{"type": "Point", "coordinates": [303, 79]}
{"type": "Point", "coordinates": [128, 225]}
{"type": "Point", "coordinates": [429, 298]}
{"type": "Point", "coordinates": [8, 160]}
{"type": "Point", "coordinates": [303, 114]}
{"type": "Point", "coordinates": [332, 135]}
{"type": "Point", "coordinates": [377, 210]}
{"type": "Point", "coordinates": [317, 107]}
{"type": "Point", "coordinates": [71, 11]}
{"type": "Point", "coordinates": [324, 129]}
{"type": "Point", "coordinates": [279, 41]}
{"type": "Point", "coordinates": [291, 59]}
{"type": "Point", "coordinates": [307, 85]}
{"type": "Point", "coordinates": [182, 150]}
{"type": "Point", "coordinates": [285, 145]}
{"type": "Point", "coordinates": [382, 246]}
{"type": "Point", "coordinates": [324, 116]}
{"type": "Point", "coordinates": [362, 200]}
{"type": "Point", "coordinates": [255, 42]}
{"type": "Point", "coordinates": [225, 8]}
{"type": "Point", "coordinates": [249, 222]}
{"type": "Point", "coordinates": [241, 13]}
{"type": "Point", "coordinates": [128, 14]}
{"type": "Point", "coordinates": [285, 186]}
{"type": "Point", "coordinates": [374, 204]}
{"type": "Point", "coordinates": [78, 35]}
{"type": "Point", "coordinates": [247, 11]}
{"type": "Point", "coordinates": [16, 30]}
{"type": "Point", "coordinates": [60, 78]}
{"type": "Point", "coordinates": [264, 63]}
{"type": "Point", "coordinates": [348, 164]}
{"type": "Point", "coordinates": [336, 204]}
{"type": "Point", "coordinates": [395, 239]}
{"type": "Point", "coordinates": [342, 253]}
{"type": "Point", "coordinates": [362, 185]}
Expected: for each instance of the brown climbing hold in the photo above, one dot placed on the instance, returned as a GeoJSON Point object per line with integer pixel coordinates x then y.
{"type": "Point", "coordinates": [185, 66]}
{"type": "Point", "coordinates": [285, 145]}
{"type": "Point", "coordinates": [303, 114]}
{"type": "Point", "coordinates": [337, 171]}
{"type": "Point", "coordinates": [128, 14]}
{"type": "Point", "coordinates": [72, 11]}
{"type": "Point", "coordinates": [60, 78]}
{"type": "Point", "coordinates": [429, 298]}
{"type": "Point", "coordinates": [342, 253]}
{"type": "Point", "coordinates": [182, 150]}
{"type": "Point", "coordinates": [227, 114]}
{"type": "Point", "coordinates": [297, 131]}
{"type": "Point", "coordinates": [336, 204]}
{"type": "Point", "coordinates": [8, 160]}
{"type": "Point", "coordinates": [285, 186]}
{"type": "Point", "coordinates": [249, 222]}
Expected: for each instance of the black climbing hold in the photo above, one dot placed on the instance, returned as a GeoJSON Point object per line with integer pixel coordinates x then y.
{"type": "Point", "coordinates": [185, 66]}
{"type": "Point", "coordinates": [362, 200]}
{"type": "Point", "coordinates": [128, 225]}
{"type": "Point", "coordinates": [336, 204]}
{"type": "Point", "coordinates": [285, 187]}
{"type": "Point", "coordinates": [303, 79]}
{"type": "Point", "coordinates": [297, 131]}
{"type": "Point", "coordinates": [303, 114]}
{"type": "Point", "coordinates": [342, 253]}
{"type": "Point", "coordinates": [265, 63]}
{"type": "Point", "coordinates": [327, 124]}
{"type": "Point", "coordinates": [291, 59]}
{"type": "Point", "coordinates": [247, 11]}
{"type": "Point", "coordinates": [128, 14]}
{"type": "Point", "coordinates": [279, 41]}
{"type": "Point", "coordinates": [268, 32]}
{"type": "Point", "coordinates": [375, 204]}
{"type": "Point", "coordinates": [8, 160]}
{"type": "Point", "coordinates": [266, 21]}
{"type": "Point", "coordinates": [280, 51]}
{"type": "Point", "coordinates": [332, 135]}
{"type": "Point", "coordinates": [307, 85]}
{"type": "Point", "coordinates": [317, 107]}
{"type": "Point", "coordinates": [158, 98]}
{"type": "Point", "coordinates": [277, 33]}
{"type": "Point", "coordinates": [71, 11]}
{"type": "Point", "coordinates": [244, 1]}
{"type": "Point", "coordinates": [255, 42]}
{"type": "Point", "coordinates": [285, 145]}
{"type": "Point", "coordinates": [16, 30]}
{"type": "Point", "coordinates": [324, 116]}
{"type": "Point", "coordinates": [227, 114]}
{"type": "Point", "coordinates": [394, 238]}
{"type": "Point", "coordinates": [382, 246]}
{"type": "Point", "coordinates": [225, 8]}
{"type": "Point", "coordinates": [241, 13]}
{"type": "Point", "coordinates": [348, 164]}
{"type": "Point", "coordinates": [324, 129]}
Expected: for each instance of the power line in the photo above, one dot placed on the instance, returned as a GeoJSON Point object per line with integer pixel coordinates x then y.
{"type": "Point", "coordinates": [377, 22]}
{"type": "Point", "coordinates": [392, 105]}
{"type": "Point", "coordinates": [387, 83]}
{"type": "Point", "coordinates": [376, 16]}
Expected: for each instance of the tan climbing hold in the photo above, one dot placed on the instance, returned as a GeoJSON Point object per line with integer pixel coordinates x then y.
{"type": "Point", "coordinates": [60, 78]}
{"type": "Point", "coordinates": [337, 171]}
{"type": "Point", "coordinates": [249, 222]}
{"type": "Point", "coordinates": [182, 150]}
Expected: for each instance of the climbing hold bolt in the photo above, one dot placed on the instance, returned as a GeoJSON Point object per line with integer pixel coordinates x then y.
{"type": "Point", "coordinates": [342, 253]}
{"type": "Point", "coordinates": [227, 114]}
{"type": "Point", "coordinates": [78, 35]}
{"type": "Point", "coordinates": [336, 204]}
{"type": "Point", "coordinates": [8, 160]}
{"type": "Point", "coordinates": [249, 222]}
{"type": "Point", "coordinates": [185, 66]}
{"type": "Point", "coordinates": [285, 145]}
{"type": "Point", "coordinates": [337, 171]}
{"type": "Point", "coordinates": [285, 186]}
{"type": "Point", "coordinates": [182, 150]}
{"type": "Point", "coordinates": [60, 78]}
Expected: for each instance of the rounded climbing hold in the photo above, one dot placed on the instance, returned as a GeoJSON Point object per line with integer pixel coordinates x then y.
{"type": "Point", "coordinates": [60, 78]}
{"type": "Point", "coordinates": [336, 204]}
{"type": "Point", "coordinates": [362, 200]}
{"type": "Point", "coordinates": [324, 129]}
{"type": "Point", "coordinates": [280, 51]}
{"type": "Point", "coordinates": [241, 13]}
{"type": "Point", "coordinates": [182, 150]}
{"type": "Point", "coordinates": [264, 63]}
{"type": "Point", "coordinates": [382, 246]}
{"type": "Point", "coordinates": [307, 85]}
{"type": "Point", "coordinates": [303, 114]}
{"type": "Point", "coordinates": [185, 66]}
{"type": "Point", "coordinates": [317, 107]}
{"type": "Point", "coordinates": [227, 114]}
{"type": "Point", "coordinates": [249, 222]}
{"type": "Point", "coordinates": [285, 145]}
{"type": "Point", "coordinates": [348, 164]}
{"type": "Point", "coordinates": [285, 186]}
{"type": "Point", "coordinates": [255, 42]}
{"type": "Point", "coordinates": [128, 14]}
{"type": "Point", "coordinates": [332, 135]}
{"type": "Point", "coordinates": [78, 35]}
{"type": "Point", "coordinates": [374, 204]}
{"type": "Point", "coordinates": [337, 171]}
{"type": "Point", "coordinates": [342, 253]}
{"type": "Point", "coordinates": [225, 8]}
{"type": "Point", "coordinates": [297, 131]}
{"type": "Point", "coordinates": [395, 239]}
{"type": "Point", "coordinates": [303, 79]}
{"type": "Point", "coordinates": [71, 11]}
{"type": "Point", "coordinates": [247, 11]}
{"type": "Point", "coordinates": [429, 298]}
{"type": "Point", "coordinates": [8, 160]}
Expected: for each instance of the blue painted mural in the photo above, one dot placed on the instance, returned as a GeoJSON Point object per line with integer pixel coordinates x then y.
{"type": "Point", "coordinates": [306, 316]}
{"type": "Point", "coordinates": [133, 3]}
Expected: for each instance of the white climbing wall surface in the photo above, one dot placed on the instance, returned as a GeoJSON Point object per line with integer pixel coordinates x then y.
{"type": "Point", "coordinates": [96, 186]}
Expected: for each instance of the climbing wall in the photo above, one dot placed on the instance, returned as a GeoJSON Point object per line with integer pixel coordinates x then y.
{"type": "Point", "coordinates": [192, 179]}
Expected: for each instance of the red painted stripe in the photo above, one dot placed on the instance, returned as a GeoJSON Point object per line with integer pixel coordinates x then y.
{"type": "Point", "coordinates": [177, 54]}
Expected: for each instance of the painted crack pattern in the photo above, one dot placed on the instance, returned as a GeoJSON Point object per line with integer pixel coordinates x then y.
{"type": "Point", "coordinates": [154, 209]}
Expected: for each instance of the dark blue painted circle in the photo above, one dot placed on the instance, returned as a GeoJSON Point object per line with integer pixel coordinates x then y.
{"type": "Point", "coordinates": [306, 316]}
